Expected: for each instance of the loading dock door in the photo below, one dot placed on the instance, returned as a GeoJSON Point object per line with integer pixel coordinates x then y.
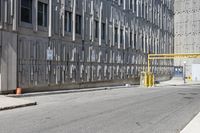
{"type": "Point", "coordinates": [196, 72]}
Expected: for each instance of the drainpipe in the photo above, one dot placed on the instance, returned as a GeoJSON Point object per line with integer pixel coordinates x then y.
{"type": "Point", "coordinates": [50, 18]}
{"type": "Point", "coordinates": [124, 37]}
{"type": "Point", "coordinates": [36, 16]}
{"type": "Point", "coordinates": [14, 14]}
{"type": "Point", "coordinates": [63, 16]}
{"type": "Point", "coordinates": [6, 11]}
{"type": "Point", "coordinates": [124, 4]}
{"type": "Point", "coordinates": [74, 21]}
{"type": "Point", "coordinates": [100, 21]}
{"type": "Point", "coordinates": [92, 21]}
{"type": "Point", "coordinates": [119, 34]}
{"type": "Point", "coordinates": [113, 34]}
{"type": "Point", "coordinates": [11, 7]}
{"type": "Point", "coordinates": [107, 27]}
{"type": "Point", "coordinates": [83, 19]}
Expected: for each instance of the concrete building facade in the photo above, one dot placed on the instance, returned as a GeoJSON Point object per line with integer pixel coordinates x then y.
{"type": "Point", "coordinates": [187, 31]}
{"type": "Point", "coordinates": [82, 43]}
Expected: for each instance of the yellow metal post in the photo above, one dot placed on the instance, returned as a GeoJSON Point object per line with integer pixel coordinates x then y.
{"type": "Point", "coordinates": [149, 78]}
{"type": "Point", "coordinates": [148, 64]}
{"type": "Point", "coordinates": [153, 79]}
{"type": "Point", "coordinates": [146, 80]}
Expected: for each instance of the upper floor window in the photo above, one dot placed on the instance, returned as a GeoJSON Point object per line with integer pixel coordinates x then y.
{"type": "Point", "coordinates": [121, 2]}
{"type": "Point", "coordinates": [26, 11]}
{"type": "Point", "coordinates": [121, 36]}
{"type": "Point", "coordinates": [135, 40]}
{"type": "Point", "coordinates": [116, 34]}
{"type": "Point", "coordinates": [68, 21]}
{"type": "Point", "coordinates": [131, 4]}
{"type": "Point", "coordinates": [96, 29]}
{"type": "Point", "coordinates": [78, 24]}
{"type": "Point", "coordinates": [131, 39]}
{"type": "Point", "coordinates": [103, 31]}
{"type": "Point", "coordinates": [42, 14]}
{"type": "Point", "coordinates": [135, 6]}
{"type": "Point", "coordinates": [143, 13]}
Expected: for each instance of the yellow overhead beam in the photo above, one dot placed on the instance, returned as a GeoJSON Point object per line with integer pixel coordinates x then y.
{"type": "Point", "coordinates": [170, 56]}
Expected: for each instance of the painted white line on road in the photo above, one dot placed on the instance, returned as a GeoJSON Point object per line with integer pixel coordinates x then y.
{"type": "Point", "coordinates": [193, 126]}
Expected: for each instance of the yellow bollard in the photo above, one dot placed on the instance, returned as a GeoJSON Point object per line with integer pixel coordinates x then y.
{"type": "Point", "coordinates": [146, 79]}
{"type": "Point", "coordinates": [150, 80]}
{"type": "Point", "coordinates": [153, 80]}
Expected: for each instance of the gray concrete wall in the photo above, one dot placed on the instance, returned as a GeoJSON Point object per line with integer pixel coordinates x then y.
{"type": "Point", "coordinates": [8, 61]}
{"type": "Point", "coordinates": [187, 31]}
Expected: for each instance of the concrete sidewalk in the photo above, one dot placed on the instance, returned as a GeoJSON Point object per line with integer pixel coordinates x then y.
{"type": "Point", "coordinates": [11, 103]}
{"type": "Point", "coordinates": [193, 126]}
{"type": "Point", "coordinates": [177, 81]}
{"type": "Point", "coordinates": [71, 91]}
{"type": "Point", "coordinates": [173, 82]}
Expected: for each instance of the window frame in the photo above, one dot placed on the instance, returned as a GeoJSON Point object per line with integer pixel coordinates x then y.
{"type": "Point", "coordinates": [135, 40]}
{"type": "Point", "coordinates": [78, 24]}
{"type": "Point", "coordinates": [131, 4]}
{"type": "Point", "coordinates": [68, 21]}
{"type": "Point", "coordinates": [44, 14]}
{"type": "Point", "coordinates": [103, 31]}
{"type": "Point", "coordinates": [131, 39]}
{"type": "Point", "coordinates": [116, 35]}
{"type": "Point", "coordinates": [96, 29]}
{"type": "Point", "coordinates": [121, 36]}
{"type": "Point", "coordinates": [30, 8]}
{"type": "Point", "coordinates": [135, 6]}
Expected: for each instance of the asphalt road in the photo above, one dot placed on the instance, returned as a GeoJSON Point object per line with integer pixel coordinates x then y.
{"type": "Point", "coordinates": [125, 110]}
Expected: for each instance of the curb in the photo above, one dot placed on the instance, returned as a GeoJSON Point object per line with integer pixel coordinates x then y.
{"type": "Point", "coordinates": [84, 90]}
{"type": "Point", "coordinates": [18, 106]}
{"type": "Point", "coordinates": [69, 91]}
{"type": "Point", "coordinates": [178, 85]}
{"type": "Point", "coordinates": [193, 126]}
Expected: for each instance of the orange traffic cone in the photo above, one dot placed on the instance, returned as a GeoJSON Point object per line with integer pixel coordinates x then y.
{"type": "Point", "coordinates": [18, 91]}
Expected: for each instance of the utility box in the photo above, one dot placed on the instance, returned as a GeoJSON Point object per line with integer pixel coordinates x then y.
{"type": "Point", "coordinates": [196, 72]}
